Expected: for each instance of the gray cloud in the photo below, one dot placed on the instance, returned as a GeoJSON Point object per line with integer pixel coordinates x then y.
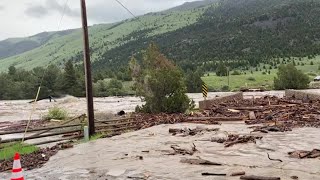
{"type": "Point", "coordinates": [53, 5]}
{"type": "Point", "coordinates": [37, 11]}
{"type": "Point", "coordinates": [50, 6]}
{"type": "Point", "coordinates": [1, 7]}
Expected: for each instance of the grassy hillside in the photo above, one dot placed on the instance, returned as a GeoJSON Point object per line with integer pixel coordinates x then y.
{"type": "Point", "coordinates": [14, 46]}
{"type": "Point", "coordinates": [102, 38]}
{"type": "Point", "coordinates": [237, 32]}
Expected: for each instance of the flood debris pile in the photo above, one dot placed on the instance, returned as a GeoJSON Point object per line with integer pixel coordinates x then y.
{"type": "Point", "coordinates": [191, 132]}
{"type": "Point", "coordinates": [143, 121]}
{"type": "Point", "coordinates": [305, 154]}
{"type": "Point", "coordinates": [184, 151]}
{"type": "Point", "coordinates": [278, 114]}
{"type": "Point", "coordinates": [233, 139]}
{"type": "Point", "coordinates": [35, 159]}
{"type": "Point", "coordinates": [199, 161]}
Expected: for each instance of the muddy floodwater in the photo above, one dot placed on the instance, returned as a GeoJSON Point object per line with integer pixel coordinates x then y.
{"type": "Point", "coordinates": [21, 109]}
{"type": "Point", "coordinates": [143, 155]}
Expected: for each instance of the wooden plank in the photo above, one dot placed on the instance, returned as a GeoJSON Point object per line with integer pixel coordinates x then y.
{"type": "Point", "coordinates": [40, 136]}
{"type": "Point", "coordinates": [215, 119]}
{"type": "Point", "coordinates": [63, 123]}
{"type": "Point", "coordinates": [113, 120]}
{"type": "Point", "coordinates": [116, 124]}
{"type": "Point", "coordinates": [247, 108]}
{"type": "Point", "coordinates": [39, 129]}
{"type": "Point", "coordinates": [259, 178]}
{"type": "Point", "coordinates": [117, 129]}
{"type": "Point", "coordinates": [57, 140]}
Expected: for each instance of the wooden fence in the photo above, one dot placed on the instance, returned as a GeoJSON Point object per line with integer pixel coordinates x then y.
{"type": "Point", "coordinates": [72, 129]}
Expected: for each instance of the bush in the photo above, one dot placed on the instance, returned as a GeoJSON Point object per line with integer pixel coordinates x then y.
{"type": "Point", "coordinates": [251, 79]}
{"type": "Point", "coordinates": [288, 77]}
{"type": "Point", "coordinates": [264, 73]}
{"type": "Point", "coordinates": [235, 72]}
{"type": "Point", "coordinates": [312, 74]}
{"type": "Point", "coordinates": [225, 89]}
{"type": "Point", "coordinates": [222, 70]}
{"type": "Point", "coordinates": [56, 113]}
{"type": "Point", "coordinates": [311, 63]}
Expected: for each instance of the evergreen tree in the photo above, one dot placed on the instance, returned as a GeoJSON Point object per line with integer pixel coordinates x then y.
{"type": "Point", "coordinates": [160, 83]}
{"type": "Point", "coordinates": [69, 83]}
{"type": "Point", "coordinates": [12, 70]}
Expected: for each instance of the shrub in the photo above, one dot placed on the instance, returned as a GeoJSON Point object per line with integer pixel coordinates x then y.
{"type": "Point", "coordinates": [222, 70]}
{"type": "Point", "coordinates": [264, 73]}
{"type": "Point", "coordinates": [225, 88]}
{"type": "Point", "coordinates": [251, 79]}
{"type": "Point", "coordinates": [311, 63]}
{"type": "Point", "coordinates": [235, 72]}
{"type": "Point", "coordinates": [56, 113]}
{"type": "Point", "coordinates": [312, 74]}
{"type": "Point", "coordinates": [288, 77]}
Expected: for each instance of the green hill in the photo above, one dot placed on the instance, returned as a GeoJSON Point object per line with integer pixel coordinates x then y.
{"type": "Point", "coordinates": [14, 46]}
{"type": "Point", "coordinates": [241, 33]}
{"type": "Point", "coordinates": [102, 38]}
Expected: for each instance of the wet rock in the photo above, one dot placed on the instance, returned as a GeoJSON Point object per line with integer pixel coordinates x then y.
{"type": "Point", "coordinates": [121, 113]}
{"type": "Point", "coordinates": [136, 175]}
{"type": "Point", "coordinates": [116, 172]}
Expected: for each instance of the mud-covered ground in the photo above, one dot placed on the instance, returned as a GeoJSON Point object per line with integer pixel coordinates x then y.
{"type": "Point", "coordinates": [143, 155]}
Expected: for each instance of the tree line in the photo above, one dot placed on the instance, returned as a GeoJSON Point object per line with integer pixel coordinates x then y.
{"type": "Point", "coordinates": [54, 81]}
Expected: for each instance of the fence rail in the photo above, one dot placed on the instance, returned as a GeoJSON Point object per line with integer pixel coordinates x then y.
{"type": "Point", "coordinates": [112, 126]}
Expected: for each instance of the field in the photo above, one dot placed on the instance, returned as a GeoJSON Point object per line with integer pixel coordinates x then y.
{"type": "Point", "coordinates": [257, 79]}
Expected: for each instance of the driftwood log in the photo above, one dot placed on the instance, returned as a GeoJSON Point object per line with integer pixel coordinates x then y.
{"type": "Point", "coordinates": [259, 178]}
{"type": "Point", "coordinates": [213, 174]}
{"type": "Point", "coordinates": [199, 162]}
{"type": "Point", "coordinates": [238, 173]}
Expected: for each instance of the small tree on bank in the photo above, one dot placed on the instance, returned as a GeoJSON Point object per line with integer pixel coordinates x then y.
{"type": "Point", "coordinates": [289, 77]}
{"type": "Point", "coordinates": [222, 70]}
{"type": "Point", "coordinates": [159, 82]}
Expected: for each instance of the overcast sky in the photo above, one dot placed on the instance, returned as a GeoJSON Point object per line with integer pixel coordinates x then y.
{"type": "Point", "coordinates": [21, 18]}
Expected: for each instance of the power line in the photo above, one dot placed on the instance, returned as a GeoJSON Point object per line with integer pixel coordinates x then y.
{"type": "Point", "coordinates": [44, 72]}
{"type": "Point", "coordinates": [127, 9]}
{"type": "Point", "coordinates": [63, 12]}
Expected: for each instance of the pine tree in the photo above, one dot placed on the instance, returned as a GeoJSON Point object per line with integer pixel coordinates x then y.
{"type": "Point", "coordinates": [69, 79]}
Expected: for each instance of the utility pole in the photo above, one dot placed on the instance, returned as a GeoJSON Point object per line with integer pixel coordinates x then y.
{"type": "Point", "coordinates": [228, 77]}
{"type": "Point", "coordinates": [87, 68]}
